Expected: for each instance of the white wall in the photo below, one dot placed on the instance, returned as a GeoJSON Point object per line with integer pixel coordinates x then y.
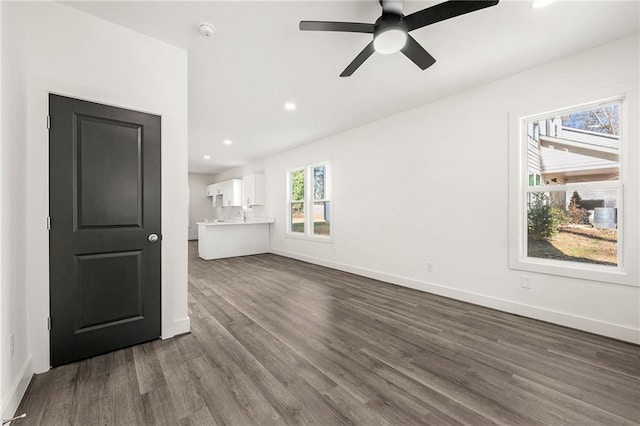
{"type": "Point", "coordinates": [431, 185]}
{"type": "Point", "coordinates": [58, 49]}
{"type": "Point", "coordinates": [13, 292]}
{"type": "Point", "coordinates": [3, 320]}
{"type": "Point", "coordinates": [200, 206]}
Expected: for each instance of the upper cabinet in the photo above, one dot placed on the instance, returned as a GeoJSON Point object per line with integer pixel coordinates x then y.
{"type": "Point", "coordinates": [253, 190]}
{"type": "Point", "coordinates": [232, 193]}
{"type": "Point", "coordinates": [248, 191]}
{"type": "Point", "coordinates": [213, 190]}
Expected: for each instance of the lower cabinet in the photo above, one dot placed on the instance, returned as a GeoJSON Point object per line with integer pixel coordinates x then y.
{"type": "Point", "coordinates": [220, 240]}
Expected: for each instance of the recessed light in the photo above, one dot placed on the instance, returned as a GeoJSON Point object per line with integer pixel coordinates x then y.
{"type": "Point", "coordinates": [290, 106]}
{"type": "Point", "coordinates": [538, 4]}
{"type": "Point", "coordinates": [207, 157]}
{"type": "Point", "coordinates": [227, 142]}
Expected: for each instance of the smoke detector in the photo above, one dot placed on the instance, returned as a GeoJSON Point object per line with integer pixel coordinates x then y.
{"type": "Point", "coordinates": [206, 29]}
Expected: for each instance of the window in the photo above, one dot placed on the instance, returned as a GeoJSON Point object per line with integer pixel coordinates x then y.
{"type": "Point", "coordinates": [568, 208]}
{"type": "Point", "coordinates": [296, 201]}
{"type": "Point", "coordinates": [309, 201]}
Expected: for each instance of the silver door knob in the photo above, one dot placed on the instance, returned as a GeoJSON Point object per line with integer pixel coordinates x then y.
{"type": "Point", "coordinates": [153, 238]}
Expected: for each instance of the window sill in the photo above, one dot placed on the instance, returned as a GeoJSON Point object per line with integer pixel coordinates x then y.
{"type": "Point", "coordinates": [608, 274]}
{"type": "Point", "coordinates": [299, 236]}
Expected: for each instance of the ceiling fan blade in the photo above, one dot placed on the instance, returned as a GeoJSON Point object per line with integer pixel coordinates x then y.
{"type": "Point", "coordinates": [348, 27]}
{"type": "Point", "coordinates": [392, 6]}
{"type": "Point", "coordinates": [442, 11]}
{"type": "Point", "coordinates": [359, 60]}
{"type": "Point", "coordinates": [417, 54]}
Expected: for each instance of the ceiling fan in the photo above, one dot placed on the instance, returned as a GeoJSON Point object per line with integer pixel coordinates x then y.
{"type": "Point", "coordinates": [391, 30]}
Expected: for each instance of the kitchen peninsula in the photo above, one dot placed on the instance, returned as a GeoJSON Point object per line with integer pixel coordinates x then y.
{"type": "Point", "coordinates": [220, 239]}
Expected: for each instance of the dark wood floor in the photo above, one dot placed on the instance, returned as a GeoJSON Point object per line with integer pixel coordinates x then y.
{"type": "Point", "coordinates": [277, 341]}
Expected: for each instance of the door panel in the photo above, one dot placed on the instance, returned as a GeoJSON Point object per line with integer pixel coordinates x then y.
{"type": "Point", "coordinates": [109, 192]}
{"type": "Point", "coordinates": [104, 203]}
{"type": "Point", "coordinates": [104, 300]}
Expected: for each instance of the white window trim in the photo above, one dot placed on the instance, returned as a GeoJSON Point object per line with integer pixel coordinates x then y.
{"type": "Point", "coordinates": [626, 273]}
{"type": "Point", "coordinates": [308, 203]}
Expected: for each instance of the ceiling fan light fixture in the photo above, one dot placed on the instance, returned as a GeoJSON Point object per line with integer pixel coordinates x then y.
{"type": "Point", "coordinates": [390, 40]}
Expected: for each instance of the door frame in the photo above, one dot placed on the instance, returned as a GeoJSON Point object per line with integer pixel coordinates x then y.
{"type": "Point", "coordinates": [174, 313]}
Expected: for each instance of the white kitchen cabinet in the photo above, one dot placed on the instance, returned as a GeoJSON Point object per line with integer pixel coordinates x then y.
{"type": "Point", "coordinates": [217, 240]}
{"type": "Point", "coordinates": [213, 190]}
{"type": "Point", "coordinates": [232, 193]}
{"type": "Point", "coordinates": [253, 190]}
{"type": "Point", "coordinates": [226, 194]}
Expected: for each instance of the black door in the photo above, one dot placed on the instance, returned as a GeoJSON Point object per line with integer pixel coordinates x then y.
{"type": "Point", "coordinates": [104, 204]}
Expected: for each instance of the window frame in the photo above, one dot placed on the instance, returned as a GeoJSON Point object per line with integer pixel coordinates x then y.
{"type": "Point", "coordinates": [625, 272]}
{"type": "Point", "coordinates": [309, 201]}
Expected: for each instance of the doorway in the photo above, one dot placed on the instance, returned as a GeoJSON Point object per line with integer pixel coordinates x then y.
{"type": "Point", "coordinates": [105, 222]}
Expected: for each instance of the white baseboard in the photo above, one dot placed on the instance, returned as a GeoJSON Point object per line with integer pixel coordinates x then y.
{"type": "Point", "coordinates": [591, 325]}
{"type": "Point", "coordinates": [17, 390]}
{"type": "Point", "coordinates": [181, 326]}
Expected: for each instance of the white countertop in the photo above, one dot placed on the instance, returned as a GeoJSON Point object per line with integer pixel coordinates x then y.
{"type": "Point", "coordinates": [238, 222]}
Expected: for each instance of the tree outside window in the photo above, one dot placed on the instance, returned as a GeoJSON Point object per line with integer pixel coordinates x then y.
{"type": "Point", "coordinates": [296, 213]}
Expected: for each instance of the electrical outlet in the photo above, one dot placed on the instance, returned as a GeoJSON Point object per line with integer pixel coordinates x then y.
{"type": "Point", "coordinates": [525, 282]}
{"type": "Point", "coordinates": [11, 345]}
{"type": "Point", "coordinates": [430, 266]}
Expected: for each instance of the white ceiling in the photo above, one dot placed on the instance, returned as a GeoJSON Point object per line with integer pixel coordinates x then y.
{"type": "Point", "coordinates": [240, 78]}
